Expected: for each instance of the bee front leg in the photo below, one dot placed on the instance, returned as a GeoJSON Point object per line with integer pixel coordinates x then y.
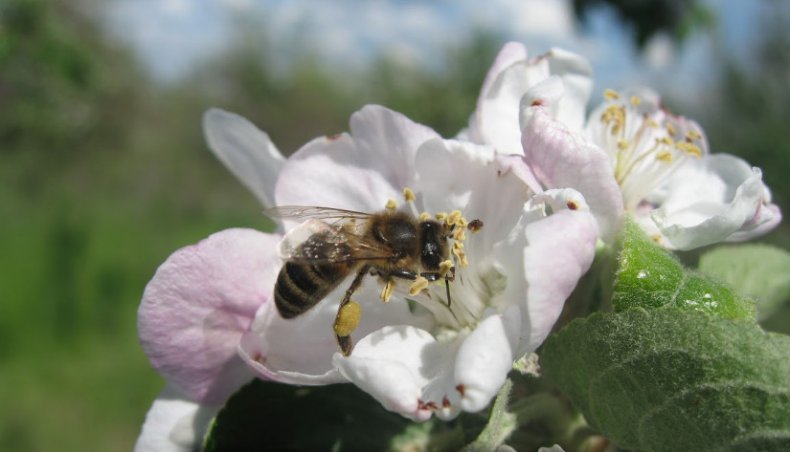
{"type": "Point", "coordinates": [348, 314]}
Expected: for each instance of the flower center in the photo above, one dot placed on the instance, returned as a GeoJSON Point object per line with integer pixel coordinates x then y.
{"type": "Point", "coordinates": [646, 143]}
{"type": "Point", "coordinates": [442, 290]}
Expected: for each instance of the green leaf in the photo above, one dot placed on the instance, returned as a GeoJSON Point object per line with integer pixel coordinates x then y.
{"type": "Point", "coordinates": [271, 416]}
{"type": "Point", "coordinates": [651, 277]}
{"type": "Point", "coordinates": [757, 271]}
{"type": "Point", "coordinates": [670, 379]}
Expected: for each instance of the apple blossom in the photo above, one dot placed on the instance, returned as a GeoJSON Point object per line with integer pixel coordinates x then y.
{"type": "Point", "coordinates": [682, 195]}
{"type": "Point", "coordinates": [417, 354]}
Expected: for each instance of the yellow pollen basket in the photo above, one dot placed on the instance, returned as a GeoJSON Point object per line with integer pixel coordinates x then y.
{"type": "Point", "coordinates": [347, 319]}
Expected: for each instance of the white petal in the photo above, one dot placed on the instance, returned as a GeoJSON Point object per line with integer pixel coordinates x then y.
{"type": "Point", "coordinates": [245, 150]}
{"type": "Point", "coordinates": [360, 171]}
{"type": "Point", "coordinates": [411, 373]}
{"type": "Point", "coordinates": [299, 350]}
{"type": "Point", "coordinates": [496, 118]}
{"type": "Point", "coordinates": [174, 424]}
{"type": "Point", "coordinates": [709, 200]}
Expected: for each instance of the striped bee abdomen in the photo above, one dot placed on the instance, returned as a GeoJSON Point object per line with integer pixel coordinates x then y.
{"type": "Point", "coordinates": [301, 286]}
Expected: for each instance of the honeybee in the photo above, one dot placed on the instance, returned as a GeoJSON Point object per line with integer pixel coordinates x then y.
{"type": "Point", "coordinates": [334, 243]}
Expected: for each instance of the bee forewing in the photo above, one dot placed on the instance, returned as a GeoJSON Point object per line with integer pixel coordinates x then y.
{"type": "Point", "coordinates": [289, 246]}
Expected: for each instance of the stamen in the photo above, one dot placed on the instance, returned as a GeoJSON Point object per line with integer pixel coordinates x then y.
{"type": "Point", "coordinates": [622, 145]}
{"type": "Point", "coordinates": [610, 94]}
{"type": "Point", "coordinates": [408, 195]}
{"type": "Point", "coordinates": [391, 204]}
{"type": "Point", "coordinates": [452, 220]}
{"type": "Point", "coordinates": [693, 135]}
{"type": "Point", "coordinates": [475, 226]}
{"type": "Point", "coordinates": [671, 129]}
{"type": "Point", "coordinates": [445, 267]}
{"type": "Point", "coordinates": [441, 216]}
{"type": "Point", "coordinates": [425, 216]}
{"type": "Point", "coordinates": [418, 286]}
{"type": "Point", "coordinates": [664, 156]}
{"type": "Point", "coordinates": [689, 148]}
{"type": "Point", "coordinates": [347, 319]}
{"type": "Point", "coordinates": [459, 234]}
{"type": "Point", "coordinates": [386, 292]}
{"type": "Point", "coordinates": [635, 101]}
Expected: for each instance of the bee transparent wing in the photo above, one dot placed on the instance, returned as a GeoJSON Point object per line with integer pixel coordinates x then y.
{"type": "Point", "coordinates": [315, 241]}
{"type": "Point", "coordinates": [314, 212]}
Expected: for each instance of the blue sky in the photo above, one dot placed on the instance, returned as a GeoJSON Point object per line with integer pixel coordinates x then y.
{"type": "Point", "coordinates": [171, 35]}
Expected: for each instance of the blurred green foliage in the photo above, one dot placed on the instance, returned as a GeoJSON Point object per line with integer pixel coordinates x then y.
{"type": "Point", "coordinates": [104, 173]}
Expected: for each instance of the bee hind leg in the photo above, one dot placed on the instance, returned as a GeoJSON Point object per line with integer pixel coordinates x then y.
{"type": "Point", "coordinates": [348, 315]}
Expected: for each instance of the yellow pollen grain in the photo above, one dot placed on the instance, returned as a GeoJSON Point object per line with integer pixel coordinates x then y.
{"type": "Point", "coordinates": [425, 216]}
{"type": "Point", "coordinates": [622, 145]}
{"type": "Point", "coordinates": [445, 267]}
{"type": "Point", "coordinates": [408, 194]}
{"type": "Point", "coordinates": [664, 156]}
{"type": "Point", "coordinates": [441, 216]}
{"type": "Point", "coordinates": [347, 319]}
{"type": "Point", "coordinates": [391, 204]}
{"type": "Point", "coordinates": [635, 101]}
{"type": "Point", "coordinates": [418, 286]}
{"type": "Point", "coordinates": [610, 94]}
{"type": "Point", "coordinates": [386, 292]}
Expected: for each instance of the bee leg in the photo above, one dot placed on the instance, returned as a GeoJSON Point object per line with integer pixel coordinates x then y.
{"type": "Point", "coordinates": [348, 314]}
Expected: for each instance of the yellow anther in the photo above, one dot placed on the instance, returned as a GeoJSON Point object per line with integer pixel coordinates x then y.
{"type": "Point", "coordinates": [664, 156]}
{"type": "Point", "coordinates": [622, 145]}
{"type": "Point", "coordinates": [408, 194]}
{"type": "Point", "coordinates": [418, 286]}
{"type": "Point", "coordinates": [635, 101]}
{"type": "Point", "coordinates": [391, 204]}
{"type": "Point", "coordinates": [347, 319]}
{"type": "Point", "coordinates": [459, 234]}
{"type": "Point", "coordinates": [464, 260]}
{"type": "Point", "coordinates": [689, 148]}
{"type": "Point", "coordinates": [441, 216]}
{"type": "Point", "coordinates": [671, 129]}
{"type": "Point", "coordinates": [425, 216]}
{"type": "Point", "coordinates": [386, 292]}
{"type": "Point", "coordinates": [462, 222]}
{"type": "Point", "coordinates": [453, 218]}
{"type": "Point", "coordinates": [652, 123]}
{"type": "Point", "coordinates": [445, 267]}
{"type": "Point", "coordinates": [656, 238]}
{"type": "Point", "coordinates": [610, 94]}
{"type": "Point", "coordinates": [665, 140]}
{"type": "Point", "coordinates": [693, 135]}
{"type": "Point", "coordinates": [458, 246]}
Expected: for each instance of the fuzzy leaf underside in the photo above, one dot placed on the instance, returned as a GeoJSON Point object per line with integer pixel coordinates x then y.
{"type": "Point", "coordinates": [756, 270]}
{"type": "Point", "coordinates": [676, 380]}
{"type": "Point", "coordinates": [680, 364]}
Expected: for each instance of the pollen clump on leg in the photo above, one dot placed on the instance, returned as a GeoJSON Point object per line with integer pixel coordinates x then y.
{"type": "Point", "coordinates": [347, 319]}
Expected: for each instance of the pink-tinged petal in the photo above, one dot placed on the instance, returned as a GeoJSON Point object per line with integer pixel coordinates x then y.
{"type": "Point", "coordinates": [245, 150]}
{"type": "Point", "coordinates": [197, 306]}
{"type": "Point", "coordinates": [561, 158]}
{"type": "Point", "coordinates": [768, 216]}
{"type": "Point", "coordinates": [360, 171]}
{"type": "Point", "coordinates": [299, 350]}
{"type": "Point", "coordinates": [709, 200]}
{"type": "Point", "coordinates": [495, 121]}
{"type": "Point", "coordinates": [174, 424]}
{"type": "Point", "coordinates": [560, 249]}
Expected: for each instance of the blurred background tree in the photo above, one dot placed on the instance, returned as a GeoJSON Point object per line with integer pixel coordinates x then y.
{"type": "Point", "coordinates": [104, 172]}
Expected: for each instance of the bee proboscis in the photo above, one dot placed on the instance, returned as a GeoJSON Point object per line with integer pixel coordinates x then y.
{"type": "Point", "coordinates": [334, 243]}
